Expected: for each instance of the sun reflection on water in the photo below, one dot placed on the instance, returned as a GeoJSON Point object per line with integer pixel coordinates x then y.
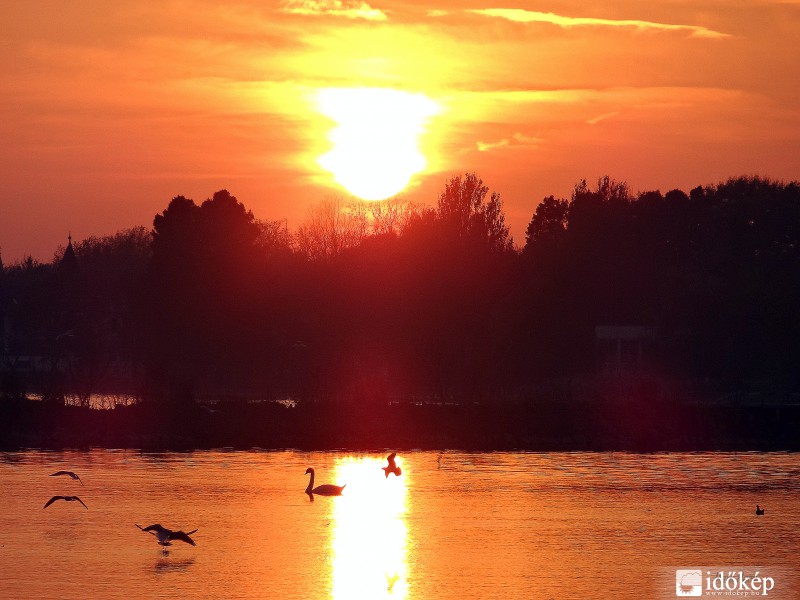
{"type": "Point", "coordinates": [369, 538]}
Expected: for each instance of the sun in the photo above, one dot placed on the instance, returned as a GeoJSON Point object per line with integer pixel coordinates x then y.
{"type": "Point", "coordinates": [376, 138]}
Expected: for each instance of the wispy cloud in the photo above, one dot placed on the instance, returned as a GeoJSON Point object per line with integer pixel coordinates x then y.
{"type": "Point", "coordinates": [603, 117]}
{"type": "Point", "coordinates": [519, 15]}
{"type": "Point", "coordinates": [486, 146]}
{"type": "Point", "coordinates": [518, 140]}
{"type": "Point", "coordinates": [337, 8]}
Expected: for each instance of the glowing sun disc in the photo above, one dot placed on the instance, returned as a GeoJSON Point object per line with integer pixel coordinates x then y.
{"type": "Point", "coordinates": [376, 138]}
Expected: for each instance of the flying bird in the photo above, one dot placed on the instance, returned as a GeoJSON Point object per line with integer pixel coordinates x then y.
{"type": "Point", "coordinates": [166, 536]}
{"type": "Point", "coordinates": [759, 510]}
{"type": "Point", "coordinates": [326, 489]}
{"type": "Point", "coordinates": [70, 473]}
{"type": "Point", "coordinates": [392, 468]}
{"type": "Point", "coordinates": [66, 499]}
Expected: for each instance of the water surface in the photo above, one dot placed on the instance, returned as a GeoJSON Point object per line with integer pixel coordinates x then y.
{"type": "Point", "coordinates": [452, 526]}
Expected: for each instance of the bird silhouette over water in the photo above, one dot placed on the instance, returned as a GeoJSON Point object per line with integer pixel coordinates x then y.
{"type": "Point", "coordinates": [325, 489]}
{"type": "Point", "coordinates": [70, 473]}
{"type": "Point", "coordinates": [759, 510]}
{"type": "Point", "coordinates": [392, 467]}
{"type": "Point", "coordinates": [166, 536]}
{"type": "Point", "coordinates": [66, 499]}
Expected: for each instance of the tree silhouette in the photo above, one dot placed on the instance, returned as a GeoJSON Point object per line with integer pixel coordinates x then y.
{"type": "Point", "coordinates": [548, 224]}
{"type": "Point", "coordinates": [376, 302]}
{"type": "Point", "coordinates": [332, 227]}
{"type": "Point", "coordinates": [201, 291]}
{"type": "Point", "coordinates": [466, 213]}
{"type": "Point", "coordinates": [105, 336]}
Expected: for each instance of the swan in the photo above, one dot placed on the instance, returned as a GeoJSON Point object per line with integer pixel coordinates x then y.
{"type": "Point", "coordinates": [166, 536]}
{"type": "Point", "coordinates": [70, 473]}
{"type": "Point", "coordinates": [65, 498]}
{"type": "Point", "coordinates": [392, 468]}
{"type": "Point", "coordinates": [326, 489]}
{"type": "Point", "coordinates": [759, 510]}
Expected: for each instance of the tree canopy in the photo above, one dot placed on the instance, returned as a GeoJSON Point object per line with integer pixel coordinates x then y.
{"type": "Point", "coordinates": [390, 300]}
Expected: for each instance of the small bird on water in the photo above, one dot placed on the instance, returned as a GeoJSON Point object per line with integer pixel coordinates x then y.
{"type": "Point", "coordinates": [759, 510]}
{"type": "Point", "coordinates": [166, 536]}
{"type": "Point", "coordinates": [70, 473]}
{"type": "Point", "coordinates": [392, 467]}
{"type": "Point", "coordinates": [65, 498]}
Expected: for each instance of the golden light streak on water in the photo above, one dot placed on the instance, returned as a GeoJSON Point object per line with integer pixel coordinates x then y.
{"type": "Point", "coordinates": [370, 532]}
{"type": "Point", "coordinates": [454, 526]}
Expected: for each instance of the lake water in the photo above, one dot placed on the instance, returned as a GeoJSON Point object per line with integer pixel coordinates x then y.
{"type": "Point", "coordinates": [452, 526]}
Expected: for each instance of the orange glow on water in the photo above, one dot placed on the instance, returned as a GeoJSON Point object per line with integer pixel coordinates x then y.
{"type": "Point", "coordinates": [370, 532]}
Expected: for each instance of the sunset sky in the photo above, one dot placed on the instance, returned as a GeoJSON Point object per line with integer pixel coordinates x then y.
{"type": "Point", "coordinates": [111, 109]}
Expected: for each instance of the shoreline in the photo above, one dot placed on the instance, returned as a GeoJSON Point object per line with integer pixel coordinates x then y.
{"type": "Point", "coordinates": [324, 427]}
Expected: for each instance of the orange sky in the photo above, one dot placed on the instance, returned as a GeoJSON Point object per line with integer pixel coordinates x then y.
{"type": "Point", "coordinates": [111, 109]}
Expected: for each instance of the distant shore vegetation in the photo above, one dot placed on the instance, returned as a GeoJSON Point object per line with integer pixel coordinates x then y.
{"type": "Point", "coordinates": [612, 299]}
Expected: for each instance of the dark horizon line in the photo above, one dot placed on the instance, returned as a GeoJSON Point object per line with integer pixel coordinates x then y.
{"type": "Point", "coordinates": [59, 248]}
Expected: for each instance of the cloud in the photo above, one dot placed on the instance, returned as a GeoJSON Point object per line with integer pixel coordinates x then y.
{"type": "Point", "coordinates": [603, 117]}
{"type": "Point", "coordinates": [486, 146]}
{"type": "Point", "coordinates": [519, 15]}
{"type": "Point", "coordinates": [518, 140]}
{"type": "Point", "coordinates": [352, 9]}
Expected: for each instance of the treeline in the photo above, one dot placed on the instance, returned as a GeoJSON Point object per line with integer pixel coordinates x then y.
{"type": "Point", "coordinates": [378, 302]}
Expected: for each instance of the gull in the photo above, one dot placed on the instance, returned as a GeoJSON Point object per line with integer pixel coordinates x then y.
{"type": "Point", "coordinates": [70, 473]}
{"type": "Point", "coordinates": [166, 536]}
{"type": "Point", "coordinates": [65, 498]}
{"type": "Point", "coordinates": [392, 468]}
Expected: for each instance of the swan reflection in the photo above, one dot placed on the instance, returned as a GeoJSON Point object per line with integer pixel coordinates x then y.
{"type": "Point", "coordinates": [369, 537]}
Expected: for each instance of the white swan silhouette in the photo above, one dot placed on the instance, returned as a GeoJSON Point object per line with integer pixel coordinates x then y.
{"type": "Point", "coordinates": [325, 489]}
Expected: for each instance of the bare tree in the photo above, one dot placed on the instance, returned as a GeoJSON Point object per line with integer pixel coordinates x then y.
{"type": "Point", "coordinates": [331, 227]}
{"type": "Point", "coordinates": [274, 237]}
{"type": "Point", "coordinates": [390, 216]}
